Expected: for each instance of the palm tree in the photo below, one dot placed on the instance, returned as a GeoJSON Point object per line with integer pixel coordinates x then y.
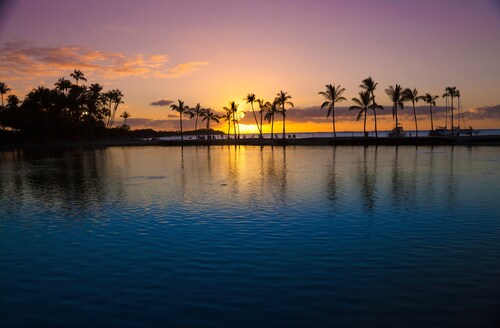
{"type": "Point", "coordinates": [250, 98]}
{"type": "Point", "coordinates": [181, 109]}
{"type": "Point", "coordinates": [369, 85]}
{"type": "Point", "coordinates": [332, 95]}
{"type": "Point", "coordinates": [115, 98]}
{"type": "Point", "coordinates": [196, 112]}
{"type": "Point", "coordinates": [78, 75]}
{"type": "Point", "coordinates": [262, 109]}
{"type": "Point", "coordinates": [208, 115]}
{"type": "Point", "coordinates": [362, 104]}
{"type": "Point", "coordinates": [228, 116]}
{"type": "Point", "coordinates": [125, 115]}
{"type": "Point", "coordinates": [233, 109]}
{"type": "Point", "coordinates": [283, 98]}
{"type": "Point", "coordinates": [412, 95]}
{"type": "Point", "coordinates": [452, 92]}
{"type": "Point", "coordinates": [63, 84]}
{"type": "Point", "coordinates": [3, 90]}
{"type": "Point", "coordinates": [396, 95]}
{"type": "Point", "coordinates": [272, 109]}
{"type": "Point", "coordinates": [431, 100]}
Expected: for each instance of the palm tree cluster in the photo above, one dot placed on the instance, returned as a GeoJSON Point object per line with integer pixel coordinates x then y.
{"type": "Point", "coordinates": [68, 111]}
{"type": "Point", "coordinates": [206, 114]}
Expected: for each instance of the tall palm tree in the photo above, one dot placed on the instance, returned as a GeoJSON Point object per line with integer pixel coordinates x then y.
{"type": "Point", "coordinates": [125, 115]}
{"type": "Point", "coordinates": [3, 90]}
{"type": "Point", "coordinates": [115, 99]}
{"type": "Point", "coordinates": [412, 95]}
{"type": "Point", "coordinates": [233, 109]}
{"type": "Point", "coordinates": [283, 99]}
{"type": "Point", "coordinates": [250, 98]}
{"type": "Point", "coordinates": [431, 100]}
{"type": "Point", "coordinates": [369, 85]}
{"type": "Point", "coordinates": [181, 109]}
{"type": "Point", "coordinates": [262, 109]}
{"type": "Point", "coordinates": [452, 92]}
{"type": "Point", "coordinates": [228, 117]}
{"type": "Point", "coordinates": [362, 104]}
{"type": "Point", "coordinates": [396, 95]}
{"type": "Point", "coordinates": [196, 112]}
{"type": "Point", "coordinates": [78, 75]}
{"type": "Point", "coordinates": [271, 110]}
{"type": "Point", "coordinates": [332, 95]}
{"type": "Point", "coordinates": [208, 115]}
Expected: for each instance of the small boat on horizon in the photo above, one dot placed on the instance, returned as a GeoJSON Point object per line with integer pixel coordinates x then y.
{"type": "Point", "coordinates": [457, 131]}
{"type": "Point", "coordinates": [397, 132]}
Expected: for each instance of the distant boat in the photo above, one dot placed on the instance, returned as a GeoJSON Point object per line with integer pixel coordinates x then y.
{"type": "Point", "coordinates": [445, 132]}
{"type": "Point", "coordinates": [398, 131]}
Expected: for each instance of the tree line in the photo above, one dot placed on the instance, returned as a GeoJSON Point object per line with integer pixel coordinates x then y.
{"type": "Point", "coordinates": [68, 111]}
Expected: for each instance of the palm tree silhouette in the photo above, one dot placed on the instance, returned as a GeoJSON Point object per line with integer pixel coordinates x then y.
{"type": "Point", "coordinates": [412, 95]}
{"type": "Point", "coordinates": [369, 85]}
{"type": "Point", "coordinates": [233, 110]}
{"type": "Point", "coordinates": [283, 98]}
{"type": "Point", "coordinates": [181, 109]}
{"type": "Point", "coordinates": [396, 95]}
{"type": "Point", "coordinates": [271, 110]}
{"type": "Point", "coordinates": [250, 98]}
{"type": "Point", "coordinates": [78, 75]}
{"type": "Point", "coordinates": [332, 95]}
{"type": "Point", "coordinates": [262, 109]}
{"type": "Point", "coordinates": [208, 115]}
{"type": "Point", "coordinates": [63, 85]}
{"type": "Point", "coordinates": [3, 90]}
{"type": "Point", "coordinates": [431, 100]}
{"type": "Point", "coordinates": [196, 112]}
{"type": "Point", "coordinates": [362, 104]}
{"type": "Point", "coordinates": [451, 92]}
{"type": "Point", "coordinates": [115, 99]}
{"type": "Point", "coordinates": [125, 115]}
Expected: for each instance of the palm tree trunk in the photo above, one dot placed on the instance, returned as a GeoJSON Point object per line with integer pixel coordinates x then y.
{"type": "Point", "coordinates": [452, 133]}
{"type": "Point", "coordinates": [180, 118]}
{"type": "Point", "coordinates": [196, 123]}
{"type": "Point", "coordinates": [396, 112]}
{"type": "Point", "coordinates": [284, 118]}
{"type": "Point", "coordinates": [256, 122]}
{"type": "Point", "coordinates": [415, 117]}
{"type": "Point", "coordinates": [364, 125]}
{"type": "Point", "coordinates": [375, 115]}
{"type": "Point", "coordinates": [333, 120]}
{"type": "Point", "coordinates": [261, 127]}
{"type": "Point", "coordinates": [228, 129]}
{"type": "Point", "coordinates": [432, 122]}
{"type": "Point", "coordinates": [272, 127]}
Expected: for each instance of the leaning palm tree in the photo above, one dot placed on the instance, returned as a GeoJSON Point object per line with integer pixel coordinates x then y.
{"type": "Point", "coordinates": [115, 99]}
{"type": "Point", "coordinates": [233, 109]}
{"type": "Point", "coordinates": [412, 95]}
{"type": "Point", "coordinates": [396, 95]}
{"type": "Point", "coordinates": [362, 104]}
{"type": "Point", "coordinates": [283, 98]}
{"type": "Point", "coordinates": [271, 110]}
{"type": "Point", "coordinates": [196, 112]}
{"type": "Point", "coordinates": [78, 75]}
{"type": "Point", "coordinates": [3, 90]}
{"type": "Point", "coordinates": [250, 98]}
{"type": "Point", "coordinates": [332, 95]}
{"type": "Point", "coordinates": [431, 100]}
{"type": "Point", "coordinates": [181, 109]}
{"type": "Point", "coordinates": [262, 109]}
{"type": "Point", "coordinates": [369, 85]}
{"type": "Point", "coordinates": [125, 115]}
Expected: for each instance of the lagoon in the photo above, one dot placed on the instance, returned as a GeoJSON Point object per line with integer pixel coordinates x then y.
{"type": "Point", "coordinates": [250, 236]}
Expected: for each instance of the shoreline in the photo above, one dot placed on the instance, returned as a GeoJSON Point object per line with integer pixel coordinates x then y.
{"type": "Point", "coordinates": [490, 140]}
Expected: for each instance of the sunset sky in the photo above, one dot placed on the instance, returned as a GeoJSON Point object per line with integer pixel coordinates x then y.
{"type": "Point", "coordinates": [213, 52]}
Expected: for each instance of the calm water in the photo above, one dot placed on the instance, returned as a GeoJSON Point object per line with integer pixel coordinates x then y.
{"type": "Point", "coordinates": [251, 237]}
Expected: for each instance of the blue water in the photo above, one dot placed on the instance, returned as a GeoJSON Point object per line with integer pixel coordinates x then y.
{"type": "Point", "coordinates": [250, 237]}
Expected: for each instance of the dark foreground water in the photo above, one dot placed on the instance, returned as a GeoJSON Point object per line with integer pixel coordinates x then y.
{"type": "Point", "coordinates": [250, 237]}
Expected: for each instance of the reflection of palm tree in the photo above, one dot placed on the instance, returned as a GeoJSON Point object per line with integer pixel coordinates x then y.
{"type": "Point", "coordinates": [125, 115]}
{"type": "Point", "coordinates": [181, 109]}
{"type": "Point", "coordinates": [251, 99]}
{"type": "Point", "coordinates": [396, 95]}
{"type": "Point", "coordinates": [283, 98]}
{"type": "Point", "coordinates": [362, 104]}
{"type": "Point", "coordinates": [431, 100]}
{"type": "Point", "coordinates": [78, 75]}
{"type": "Point", "coordinates": [369, 85]}
{"type": "Point", "coordinates": [3, 90]}
{"type": "Point", "coordinates": [332, 95]}
{"type": "Point", "coordinates": [412, 95]}
{"type": "Point", "coordinates": [272, 109]}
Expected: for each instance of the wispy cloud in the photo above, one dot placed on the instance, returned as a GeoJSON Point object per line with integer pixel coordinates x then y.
{"type": "Point", "coordinates": [22, 60]}
{"type": "Point", "coordinates": [162, 102]}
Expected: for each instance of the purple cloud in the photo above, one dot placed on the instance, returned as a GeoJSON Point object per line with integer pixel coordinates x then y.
{"type": "Point", "coordinates": [162, 102]}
